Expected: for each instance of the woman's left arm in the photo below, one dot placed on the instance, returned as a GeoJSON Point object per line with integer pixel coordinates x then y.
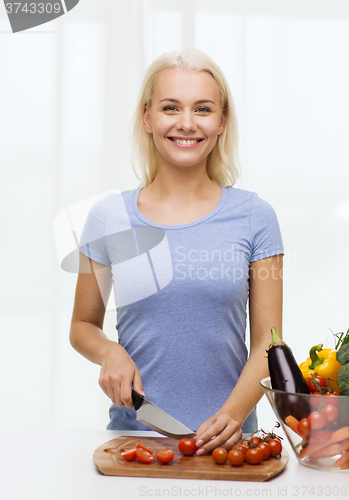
{"type": "Point", "coordinates": [265, 310]}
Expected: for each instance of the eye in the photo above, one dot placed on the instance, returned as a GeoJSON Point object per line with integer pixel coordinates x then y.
{"type": "Point", "coordinates": [169, 108]}
{"type": "Point", "coordinates": [204, 110]}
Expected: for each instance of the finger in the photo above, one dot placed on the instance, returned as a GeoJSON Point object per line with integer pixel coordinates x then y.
{"type": "Point", "coordinates": [137, 383]}
{"type": "Point", "coordinates": [226, 439]}
{"type": "Point", "coordinates": [105, 390]}
{"type": "Point", "coordinates": [125, 390]}
{"type": "Point", "coordinates": [215, 442]}
{"type": "Point", "coordinates": [201, 432]}
{"type": "Point", "coordinates": [215, 427]}
{"type": "Point", "coordinates": [228, 436]}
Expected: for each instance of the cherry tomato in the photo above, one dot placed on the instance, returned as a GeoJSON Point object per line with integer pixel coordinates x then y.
{"type": "Point", "coordinates": [140, 446]}
{"type": "Point", "coordinates": [334, 400]}
{"type": "Point", "coordinates": [320, 381]}
{"type": "Point", "coordinates": [129, 454]}
{"type": "Point", "coordinates": [220, 455]}
{"type": "Point", "coordinates": [187, 446]}
{"type": "Point", "coordinates": [316, 420]}
{"type": "Point", "coordinates": [236, 457]}
{"type": "Point", "coordinates": [318, 436]}
{"type": "Point", "coordinates": [254, 456]}
{"type": "Point", "coordinates": [265, 449]}
{"type": "Point", "coordinates": [165, 456]}
{"type": "Point", "coordinates": [144, 456]}
{"type": "Point", "coordinates": [315, 400]}
{"type": "Point", "coordinates": [241, 447]}
{"type": "Point", "coordinates": [255, 441]}
{"type": "Point", "coordinates": [331, 412]}
{"type": "Point", "coordinates": [275, 447]}
{"type": "Point", "coordinates": [304, 427]}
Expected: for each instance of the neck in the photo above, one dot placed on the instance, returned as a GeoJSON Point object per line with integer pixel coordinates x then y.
{"type": "Point", "coordinates": [182, 183]}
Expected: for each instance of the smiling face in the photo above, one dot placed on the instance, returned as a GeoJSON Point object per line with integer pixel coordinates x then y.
{"type": "Point", "coordinates": [185, 117]}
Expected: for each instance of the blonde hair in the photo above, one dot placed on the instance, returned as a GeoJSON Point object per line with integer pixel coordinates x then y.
{"type": "Point", "coordinates": [222, 163]}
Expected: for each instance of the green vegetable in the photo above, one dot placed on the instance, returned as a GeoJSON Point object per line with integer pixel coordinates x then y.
{"type": "Point", "coordinates": [342, 339]}
{"type": "Point", "coordinates": [343, 378]}
{"type": "Point", "coordinates": [342, 354]}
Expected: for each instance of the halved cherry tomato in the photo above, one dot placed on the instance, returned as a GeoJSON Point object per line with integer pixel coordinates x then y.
{"type": "Point", "coordinates": [320, 381]}
{"type": "Point", "coordinates": [304, 427]}
{"type": "Point", "coordinates": [236, 457]}
{"type": "Point", "coordinates": [165, 456]}
{"type": "Point", "coordinates": [187, 446]}
{"type": "Point", "coordinates": [254, 456]}
{"type": "Point", "coordinates": [265, 449]}
{"type": "Point", "coordinates": [129, 454]}
{"type": "Point", "coordinates": [316, 420]}
{"type": "Point", "coordinates": [331, 412]}
{"type": "Point", "coordinates": [144, 456]}
{"type": "Point", "coordinates": [143, 448]}
{"type": "Point", "coordinates": [220, 455]}
{"type": "Point", "coordinates": [275, 447]}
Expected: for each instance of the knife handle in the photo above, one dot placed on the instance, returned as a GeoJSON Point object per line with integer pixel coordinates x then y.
{"type": "Point", "coordinates": [137, 400]}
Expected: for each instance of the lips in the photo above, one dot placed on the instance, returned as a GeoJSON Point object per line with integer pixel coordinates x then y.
{"type": "Point", "coordinates": [185, 141]}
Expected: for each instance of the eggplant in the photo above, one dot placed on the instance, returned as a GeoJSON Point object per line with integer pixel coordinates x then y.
{"type": "Point", "coordinates": [286, 376]}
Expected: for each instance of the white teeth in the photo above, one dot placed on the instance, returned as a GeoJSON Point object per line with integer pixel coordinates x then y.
{"type": "Point", "coordinates": [184, 142]}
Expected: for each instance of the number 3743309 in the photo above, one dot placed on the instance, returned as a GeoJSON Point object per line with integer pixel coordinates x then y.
{"type": "Point", "coordinates": [319, 491]}
{"type": "Point", "coordinates": [32, 7]}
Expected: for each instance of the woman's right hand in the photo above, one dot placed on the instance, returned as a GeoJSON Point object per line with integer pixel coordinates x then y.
{"type": "Point", "coordinates": [118, 373]}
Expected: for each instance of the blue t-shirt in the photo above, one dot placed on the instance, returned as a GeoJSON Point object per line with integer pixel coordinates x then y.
{"type": "Point", "coordinates": [181, 294]}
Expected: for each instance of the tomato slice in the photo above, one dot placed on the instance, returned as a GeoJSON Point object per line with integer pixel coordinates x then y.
{"type": "Point", "coordinates": [165, 456]}
{"type": "Point", "coordinates": [129, 454]}
{"type": "Point", "coordinates": [144, 456]}
{"type": "Point", "coordinates": [140, 446]}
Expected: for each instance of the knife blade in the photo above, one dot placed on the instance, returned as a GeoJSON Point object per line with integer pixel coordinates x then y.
{"type": "Point", "coordinates": [158, 420]}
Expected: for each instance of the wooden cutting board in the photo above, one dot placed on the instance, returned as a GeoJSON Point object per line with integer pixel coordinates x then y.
{"type": "Point", "coordinates": [109, 461]}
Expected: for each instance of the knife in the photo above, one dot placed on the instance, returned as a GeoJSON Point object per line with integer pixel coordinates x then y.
{"type": "Point", "coordinates": [158, 420]}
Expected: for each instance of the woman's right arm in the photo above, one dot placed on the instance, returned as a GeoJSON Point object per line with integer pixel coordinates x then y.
{"type": "Point", "coordinates": [118, 371]}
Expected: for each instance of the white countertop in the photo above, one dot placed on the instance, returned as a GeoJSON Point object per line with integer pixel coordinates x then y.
{"type": "Point", "coordinates": [57, 464]}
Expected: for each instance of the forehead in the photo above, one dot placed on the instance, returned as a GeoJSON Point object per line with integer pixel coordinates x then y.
{"type": "Point", "coordinates": [186, 85]}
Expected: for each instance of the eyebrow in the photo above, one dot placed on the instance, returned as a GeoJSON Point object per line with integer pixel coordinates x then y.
{"type": "Point", "coordinates": [202, 101]}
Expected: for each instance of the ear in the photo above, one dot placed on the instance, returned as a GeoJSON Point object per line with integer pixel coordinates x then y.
{"type": "Point", "coordinates": [223, 121]}
{"type": "Point", "coordinates": [146, 120]}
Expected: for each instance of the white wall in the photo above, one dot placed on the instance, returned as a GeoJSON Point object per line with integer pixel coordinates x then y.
{"type": "Point", "coordinates": [67, 92]}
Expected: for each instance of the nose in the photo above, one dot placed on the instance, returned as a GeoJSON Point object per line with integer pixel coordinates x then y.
{"type": "Point", "coordinates": [186, 121]}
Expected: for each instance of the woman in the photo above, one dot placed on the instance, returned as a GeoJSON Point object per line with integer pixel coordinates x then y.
{"type": "Point", "coordinates": [184, 342]}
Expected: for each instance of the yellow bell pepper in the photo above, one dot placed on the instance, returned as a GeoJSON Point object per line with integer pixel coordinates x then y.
{"type": "Point", "coordinates": [322, 362]}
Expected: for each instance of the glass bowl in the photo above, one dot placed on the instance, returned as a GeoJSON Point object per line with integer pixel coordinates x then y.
{"type": "Point", "coordinates": [322, 445]}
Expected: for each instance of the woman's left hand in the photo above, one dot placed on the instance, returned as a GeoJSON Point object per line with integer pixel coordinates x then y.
{"type": "Point", "coordinates": [219, 430]}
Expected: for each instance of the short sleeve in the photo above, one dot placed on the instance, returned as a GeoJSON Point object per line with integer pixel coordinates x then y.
{"type": "Point", "coordinates": [265, 231]}
{"type": "Point", "coordinates": [93, 237]}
